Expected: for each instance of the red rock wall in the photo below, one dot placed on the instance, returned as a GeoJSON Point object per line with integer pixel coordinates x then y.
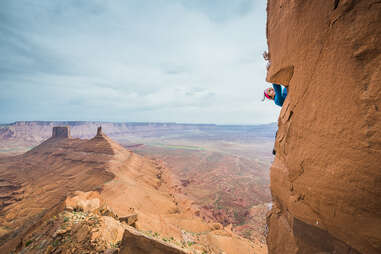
{"type": "Point", "coordinates": [326, 177]}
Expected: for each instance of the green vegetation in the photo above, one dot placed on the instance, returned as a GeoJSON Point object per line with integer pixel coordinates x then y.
{"type": "Point", "coordinates": [55, 243]}
{"type": "Point", "coordinates": [67, 239]}
{"type": "Point", "coordinates": [239, 217]}
{"type": "Point", "coordinates": [28, 243]}
{"type": "Point", "coordinates": [217, 203]}
{"type": "Point", "coordinates": [115, 245]}
{"type": "Point", "coordinates": [247, 234]}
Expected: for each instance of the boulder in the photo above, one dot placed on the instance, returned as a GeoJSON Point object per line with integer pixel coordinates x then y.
{"type": "Point", "coordinates": [109, 230]}
{"type": "Point", "coordinates": [111, 251]}
{"type": "Point", "coordinates": [134, 242]}
{"type": "Point", "coordinates": [129, 219]}
{"type": "Point", "coordinates": [83, 201]}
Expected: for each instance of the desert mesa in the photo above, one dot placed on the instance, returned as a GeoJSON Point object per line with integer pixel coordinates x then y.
{"type": "Point", "coordinates": [93, 195]}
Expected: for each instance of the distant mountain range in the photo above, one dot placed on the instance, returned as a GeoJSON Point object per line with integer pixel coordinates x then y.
{"type": "Point", "coordinates": [22, 135]}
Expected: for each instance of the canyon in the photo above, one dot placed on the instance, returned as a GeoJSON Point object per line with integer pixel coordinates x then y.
{"type": "Point", "coordinates": [218, 167]}
{"type": "Point", "coordinates": [67, 187]}
{"type": "Point", "coordinates": [93, 195]}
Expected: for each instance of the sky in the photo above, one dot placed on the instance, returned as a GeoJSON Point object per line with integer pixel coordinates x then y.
{"type": "Point", "coordinates": [185, 61]}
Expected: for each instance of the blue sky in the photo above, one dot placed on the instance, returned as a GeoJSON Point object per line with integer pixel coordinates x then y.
{"type": "Point", "coordinates": [159, 61]}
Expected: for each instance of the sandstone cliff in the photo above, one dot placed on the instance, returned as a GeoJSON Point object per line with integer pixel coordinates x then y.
{"type": "Point", "coordinates": [326, 177]}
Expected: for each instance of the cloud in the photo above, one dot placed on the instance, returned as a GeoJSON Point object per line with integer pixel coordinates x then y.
{"type": "Point", "coordinates": [183, 61]}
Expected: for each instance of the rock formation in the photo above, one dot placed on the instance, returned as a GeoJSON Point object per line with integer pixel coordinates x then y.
{"type": "Point", "coordinates": [134, 242]}
{"type": "Point", "coordinates": [326, 177]}
{"type": "Point", "coordinates": [61, 132]}
{"type": "Point", "coordinates": [99, 131]}
{"type": "Point", "coordinates": [72, 195]}
{"type": "Point", "coordinates": [41, 179]}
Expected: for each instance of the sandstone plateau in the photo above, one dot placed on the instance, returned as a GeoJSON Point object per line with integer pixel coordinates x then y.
{"type": "Point", "coordinates": [224, 169]}
{"type": "Point", "coordinates": [326, 177]}
{"type": "Point", "coordinates": [71, 195]}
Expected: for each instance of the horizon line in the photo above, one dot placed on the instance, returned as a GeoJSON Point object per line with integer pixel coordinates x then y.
{"type": "Point", "coordinates": [132, 122]}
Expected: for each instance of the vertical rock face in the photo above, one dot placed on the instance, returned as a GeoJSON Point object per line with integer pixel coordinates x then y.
{"type": "Point", "coordinates": [326, 177]}
{"type": "Point", "coordinates": [61, 132]}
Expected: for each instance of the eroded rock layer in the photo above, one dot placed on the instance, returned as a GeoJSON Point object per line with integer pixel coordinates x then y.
{"type": "Point", "coordinates": [326, 178]}
{"type": "Point", "coordinates": [33, 185]}
{"type": "Point", "coordinates": [81, 196]}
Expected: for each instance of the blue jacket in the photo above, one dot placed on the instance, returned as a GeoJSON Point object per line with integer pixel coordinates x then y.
{"type": "Point", "coordinates": [280, 94]}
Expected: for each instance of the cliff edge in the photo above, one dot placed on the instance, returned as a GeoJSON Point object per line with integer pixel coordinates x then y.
{"type": "Point", "coordinates": [326, 177]}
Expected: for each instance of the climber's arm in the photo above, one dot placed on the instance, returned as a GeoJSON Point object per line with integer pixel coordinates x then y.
{"type": "Point", "coordinates": [279, 99]}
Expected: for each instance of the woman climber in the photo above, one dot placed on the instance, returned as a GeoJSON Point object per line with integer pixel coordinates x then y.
{"type": "Point", "coordinates": [276, 93]}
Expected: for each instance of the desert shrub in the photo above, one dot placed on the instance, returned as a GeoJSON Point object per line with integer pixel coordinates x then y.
{"type": "Point", "coordinates": [28, 243]}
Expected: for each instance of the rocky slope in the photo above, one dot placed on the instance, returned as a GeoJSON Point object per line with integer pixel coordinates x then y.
{"type": "Point", "coordinates": [93, 196]}
{"type": "Point", "coordinates": [226, 187]}
{"type": "Point", "coordinates": [326, 178]}
{"type": "Point", "coordinates": [221, 166]}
